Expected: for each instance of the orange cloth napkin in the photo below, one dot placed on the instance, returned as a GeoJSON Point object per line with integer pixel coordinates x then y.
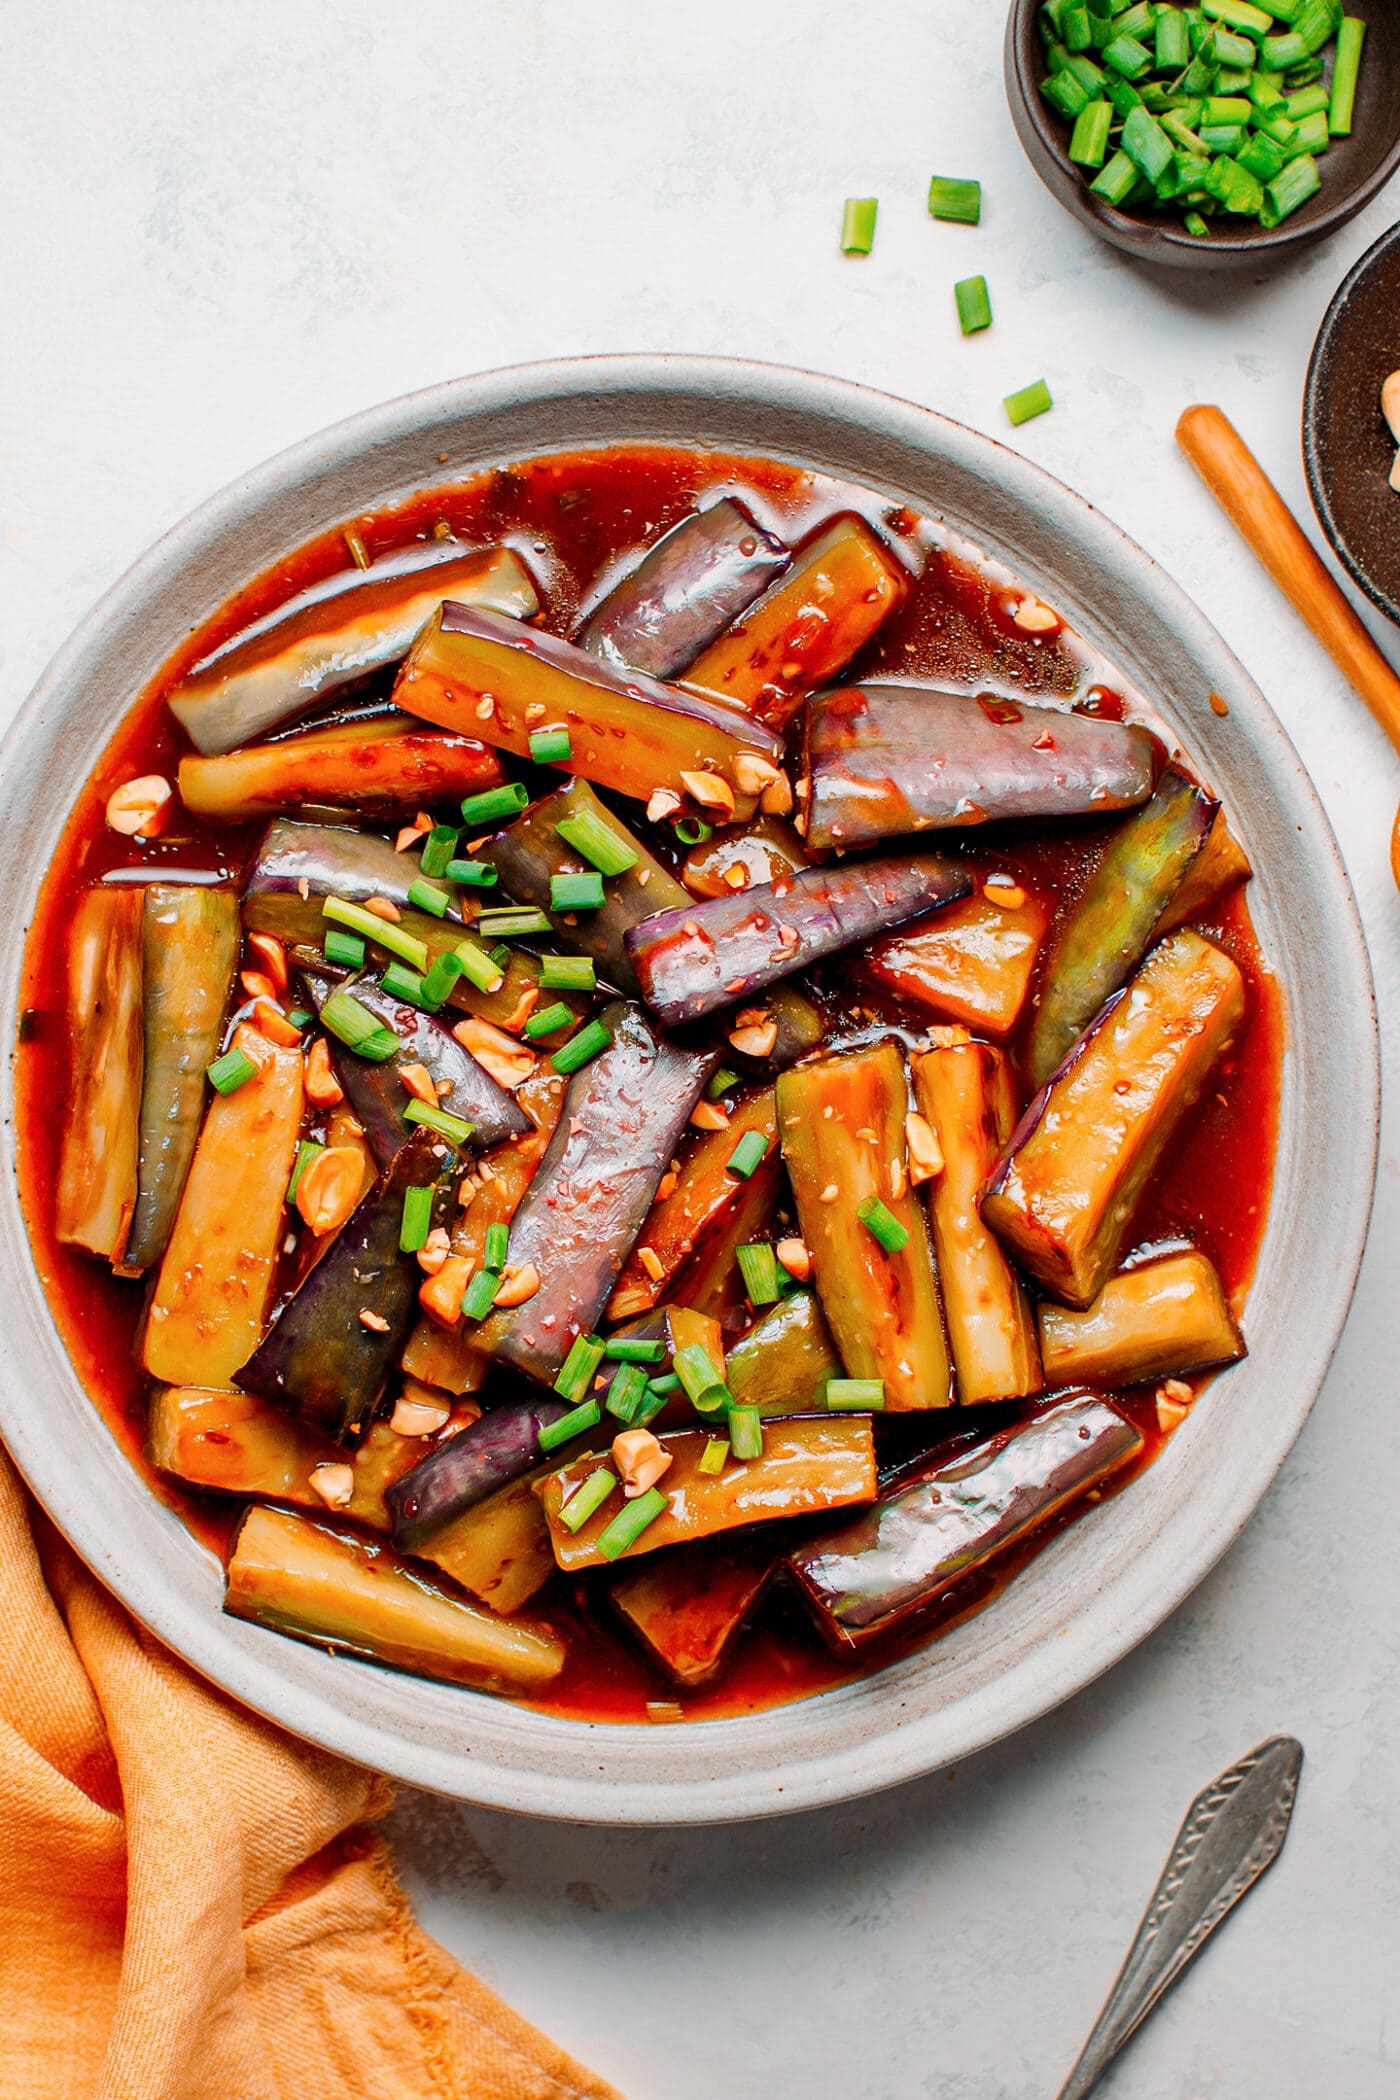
{"type": "Point", "coordinates": [191, 1905]}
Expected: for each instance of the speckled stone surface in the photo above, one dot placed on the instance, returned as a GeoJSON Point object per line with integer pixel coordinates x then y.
{"type": "Point", "coordinates": [226, 228]}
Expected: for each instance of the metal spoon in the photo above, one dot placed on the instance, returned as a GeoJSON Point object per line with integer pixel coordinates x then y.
{"type": "Point", "coordinates": [1233, 1831]}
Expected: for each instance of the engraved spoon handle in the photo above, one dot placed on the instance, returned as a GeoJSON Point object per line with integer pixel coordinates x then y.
{"type": "Point", "coordinates": [1234, 1830]}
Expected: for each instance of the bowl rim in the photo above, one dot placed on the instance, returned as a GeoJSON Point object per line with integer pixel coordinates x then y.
{"type": "Point", "coordinates": [1332, 321]}
{"type": "Point", "coordinates": [823, 1749]}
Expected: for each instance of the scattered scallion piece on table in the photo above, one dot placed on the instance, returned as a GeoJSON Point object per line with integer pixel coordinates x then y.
{"type": "Point", "coordinates": [1031, 401]}
{"type": "Point", "coordinates": [860, 1395]}
{"type": "Point", "coordinates": [493, 1254]}
{"type": "Point", "coordinates": [974, 305]}
{"type": "Point", "coordinates": [359, 1029]}
{"type": "Point", "coordinates": [576, 892]}
{"type": "Point", "coordinates": [588, 1499]}
{"type": "Point", "coordinates": [455, 1128]}
{"type": "Point", "coordinates": [593, 837]}
{"type": "Point", "coordinates": [384, 931]}
{"type": "Point", "coordinates": [882, 1224]}
{"type": "Point", "coordinates": [629, 1349]}
{"type": "Point", "coordinates": [579, 1419]}
{"type": "Point", "coordinates": [480, 1294]}
{"type": "Point", "coordinates": [345, 950]}
{"type": "Point", "coordinates": [417, 1219]}
{"type": "Point", "coordinates": [748, 1155]}
{"type": "Point", "coordinates": [577, 1370]}
{"type": "Point", "coordinates": [494, 805]}
{"type": "Point", "coordinates": [573, 1055]}
{"type": "Point", "coordinates": [758, 1265]}
{"type": "Point", "coordinates": [231, 1071]}
{"type": "Point", "coordinates": [951, 198]}
{"type": "Point", "coordinates": [511, 922]}
{"type": "Point", "coordinates": [428, 897]}
{"type": "Point", "coordinates": [472, 874]}
{"type": "Point", "coordinates": [858, 225]}
{"type": "Point", "coordinates": [711, 1459]}
{"type": "Point", "coordinates": [548, 1021]}
{"type": "Point", "coordinates": [568, 973]}
{"type": "Point", "coordinates": [551, 747]}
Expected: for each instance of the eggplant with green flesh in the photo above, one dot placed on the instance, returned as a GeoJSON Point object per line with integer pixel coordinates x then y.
{"type": "Point", "coordinates": [922, 1543]}
{"type": "Point", "coordinates": [841, 586]}
{"type": "Point", "coordinates": [97, 1173]}
{"type": "Point", "coordinates": [711, 952]}
{"type": "Point", "coordinates": [337, 631]}
{"type": "Point", "coordinates": [966, 1093]}
{"type": "Point", "coordinates": [783, 1363]}
{"type": "Point", "coordinates": [327, 1356]}
{"type": "Point", "coordinates": [711, 1281]}
{"type": "Point", "coordinates": [882, 760]}
{"type": "Point", "coordinates": [805, 1467]}
{"type": "Point", "coordinates": [741, 857]}
{"type": "Point", "coordinates": [1151, 1321]}
{"type": "Point", "coordinates": [704, 1191]}
{"type": "Point", "coordinates": [623, 1116]}
{"type": "Point", "coordinates": [299, 865]}
{"type": "Point", "coordinates": [1222, 864]}
{"type": "Point", "coordinates": [687, 1609]}
{"type": "Point", "coordinates": [1107, 933]}
{"type": "Point", "coordinates": [499, 1550]}
{"type": "Point", "coordinates": [1064, 1193]}
{"type": "Point", "coordinates": [206, 1312]}
{"type": "Point", "coordinates": [973, 962]}
{"type": "Point", "coordinates": [685, 591]}
{"type": "Point", "coordinates": [190, 947]}
{"type": "Point", "coordinates": [326, 1584]}
{"type": "Point", "coordinates": [379, 768]}
{"type": "Point", "coordinates": [470, 1467]}
{"type": "Point", "coordinates": [842, 1126]}
{"type": "Point", "coordinates": [498, 680]}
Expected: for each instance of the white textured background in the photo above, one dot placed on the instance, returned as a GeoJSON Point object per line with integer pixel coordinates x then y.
{"type": "Point", "coordinates": [225, 226]}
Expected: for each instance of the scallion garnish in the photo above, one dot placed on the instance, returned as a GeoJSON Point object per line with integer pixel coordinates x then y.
{"type": "Point", "coordinates": [1345, 68]}
{"type": "Point", "coordinates": [454, 1128]}
{"type": "Point", "coordinates": [576, 892]}
{"type": "Point", "coordinates": [512, 921]}
{"type": "Point", "coordinates": [723, 1080]}
{"type": "Point", "coordinates": [548, 1021]}
{"type": "Point", "coordinates": [748, 1155]}
{"type": "Point", "coordinates": [667, 1384]}
{"type": "Point", "coordinates": [758, 1265]}
{"type": "Point", "coordinates": [950, 198]}
{"type": "Point", "coordinates": [231, 1071]}
{"type": "Point", "coordinates": [345, 950]}
{"type": "Point", "coordinates": [438, 849]}
{"type": "Point", "coordinates": [1300, 180]}
{"type": "Point", "coordinates": [306, 1152]}
{"type": "Point", "coordinates": [480, 1294]}
{"type": "Point", "coordinates": [593, 837]}
{"type": "Point", "coordinates": [703, 1386]}
{"type": "Point", "coordinates": [629, 1523]}
{"type": "Point", "coordinates": [568, 973]}
{"type": "Point", "coordinates": [428, 897]}
{"type": "Point", "coordinates": [579, 1366]}
{"type": "Point", "coordinates": [443, 972]}
{"type": "Point", "coordinates": [494, 806]}
{"type": "Point", "coordinates": [402, 983]}
{"type": "Point", "coordinates": [974, 305]}
{"type": "Point", "coordinates": [625, 1392]}
{"type": "Point", "coordinates": [861, 1395]}
{"type": "Point", "coordinates": [1031, 401]}
{"type": "Point", "coordinates": [472, 874]}
{"type": "Point", "coordinates": [299, 1017]}
{"type": "Point", "coordinates": [497, 1245]}
{"type": "Point", "coordinates": [858, 225]}
{"type": "Point", "coordinates": [550, 747]}
{"type": "Point", "coordinates": [579, 1419]}
{"type": "Point", "coordinates": [359, 1029]}
{"type": "Point", "coordinates": [711, 1459]}
{"type": "Point", "coordinates": [477, 966]}
{"type": "Point", "coordinates": [882, 1224]}
{"type": "Point", "coordinates": [580, 1048]}
{"type": "Point", "coordinates": [1088, 148]}
{"type": "Point", "coordinates": [384, 931]}
{"type": "Point", "coordinates": [745, 1432]}
{"type": "Point", "coordinates": [692, 831]}
{"type": "Point", "coordinates": [630, 1349]}
{"type": "Point", "coordinates": [417, 1219]}
{"type": "Point", "coordinates": [587, 1499]}
{"type": "Point", "coordinates": [649, 1406]}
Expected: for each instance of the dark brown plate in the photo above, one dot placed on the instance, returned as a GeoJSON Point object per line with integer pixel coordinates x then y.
{"type": "Point", "coordinates": [1347, 447]}
{"type": "Point", "coordinates": [1353, 169]}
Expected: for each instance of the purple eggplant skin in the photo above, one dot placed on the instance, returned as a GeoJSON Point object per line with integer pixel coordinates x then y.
{"type": "Point", "coordinates": [712, 951]}
{"type": "Point", "coordinates": [378, 1095]}
{"type": "Point", "coordinates": [332, 860]}
{"type": "Point", "coordinates": [953, 1515]}
{"type": "Point", "coordinates": [623, 1116]}
{"type": "Point", "coordinates": [685, 591]}
{"type": "Point", "coordinates": [884, 760]}
{"type": "Point", "coordinates": [319, 1360]}
{"type": "Point", "coordinates": [482, 1458]}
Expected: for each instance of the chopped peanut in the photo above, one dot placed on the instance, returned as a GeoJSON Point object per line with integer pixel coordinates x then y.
{"type": "Point", "coordinates": [441, 1296]}
{"type": "Point", "coordinates": [1174, 1398]}
{"type": "Point", "coordinates": [418, 1417]}
{"type": "Point", "coordinates": [536, 711]}
{"type": "Point", "coordinates": [517, 1284]}
{"type": "Point", "coordinates": [651, 1261]}
{"type": "Point", "coordinates": [753, 774]}
{"type": "Point", "coordinates": [142, 808]}
{"type": "Point", "coordinates": [641, 1459]}
{"type": "Point", "coordinates": [756, 1040]}
{"type": "Point", "coordinates": [508, 1062]}
{"type": "Point", "coordinates": [736, 878]}
{"type": "Point", "coordinates": [529, 999]}
{"type": "Point", "coordinates": [334, 1484]}
{"type": "Point", "coordinates": [329, 1188]}
{"type": "Point", "coordinates": [776, 799]}
{"type": "Point", "coordinates": [383, 908]}
{"type": "Point", "coordinates": [374, 1321]}
{"type": "Point", "coordinates": [925, 1152]}
{"type": "Point", "coordinates": [273, 957]}
{"type": "Point", "coordinates": [323, 1089]}
{"type": "Point", "coordinates": [411, 833]}
{"type": "Point", "coordinates": [711, 790]}
{"type": "Point", "coordinates": [829, 1194]}
{"type": "Point", "coordinates": [709, 1115]}
{"type": "Point", "coordinates": [419, 1082]}
{"type": "Point", "coordinates": [664, 803]}
{"type": "Point", "coordinates": [1033, 617]}
{"type": "Point", "coordinates": [1003, 890]}
{"type": "Point", "coordinates": [795, 1258]}
{"type": "Point", "coordinates": [899, 1179]}
{"type": "Point", "coordinates": [434, 1251]}
{"type": "Point", "coordinates": [273, 1023]}
{"type": "Point", "coordinates": [257, 984]}
{"type": "Point", "coordinates": [667, 1185]}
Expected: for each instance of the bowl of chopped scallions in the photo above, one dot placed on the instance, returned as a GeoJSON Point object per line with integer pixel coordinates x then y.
{"type": "Point", "coordinates": [1205, 136]}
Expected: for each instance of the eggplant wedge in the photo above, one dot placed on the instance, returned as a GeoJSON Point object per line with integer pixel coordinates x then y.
{"type": "Point", "coordinates": [212, 1288]}
{"type": "Point", "coordinates": [704, 1191]}
{"type": "Point", "coordinates": [687, 1609]}
{"type": "Point", "coordinates": [973, 962]}
{"type": "Point", "coordinates": [711, 1281]}
{"type": "Point", "coordinates": [189, 945]}
{"type": "Point", "coordinates": [841, 1121]}
{"type": "Point", "coordinates": [782, 1365]}
{"type": "Point", "coordinates": [1222, 864]}
{"type": "Point", "coordinates": [709, 953]}
{"type": "Point", "coordinates": [327, 1356]}
{"type": "Point", "coordinates": [806, 1467]}
{"type": "Point", "coordinates": [1063, 1196]}
{"type": "Point", "coordinates": [741, 857]}
{"type": "Point", "coordinates": [326, 1584]}
{"type": "Point", "coordinates": [499, 1550]}
{"type": "Point", "coordinates": [299, 865]}
{"type": "Point", "coordinates": [883, 760]}
{"type": "Point", "coordinates": [1107, 933]}
{"type": "Point", "coordinates": [966, 1093]}
{"type": "Point", "coordinates": [355, 622]}
{"type": "Point", "coordinates": [469, 1468]}
{"type": "Point", "coordinates": [939, 1531]}
{"type": "Point", "coordinates": [493, 678]}
{"type": "Point", "coordinates": [685, 591]}
{"type": "Point", "coordinates": [97, 1174]}
{"type": "Point", "coordinates": [841, 587]}
{"type": "Point", "coordinates": [1152, 1321]}
{"type": "Point", "coordinates": [623, 1115]}
{"type": "Point", "coordinates": [378, 768]}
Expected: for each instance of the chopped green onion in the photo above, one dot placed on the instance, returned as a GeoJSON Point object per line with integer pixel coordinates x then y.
{"type": "Point", "coordinates": [1227, 49]}
{"type": "Point", "coordinates": [648, 1407]}
{"type": "Point", "coordinates": [428, 897]}
{"type": "Point", "coordinates": [593, 837]}
{"type": "Point", "coordinates": [630, 1349]}
{"type": "Point", "coordinates": [958, 201]}
{"type": "Point", "coordinates": [1346, 67]}
{"type": "Point", "coordinates": [299, 1017]}
{"type": "Point", "coordinates": [1032, 400]}
{"type": "Point", "coordinates": [692, 831]}
{"type": "Point", "coordinates": [478, 967]}
{"type": "Point", "coordinates": [723, 1080]}
{"type": "Point", "coordinates": [858, 225]}
{"type": "Point", "coordinates": [402, 983]}
{"type": "Point", "coordinates": [1173, 44]}
{"type": "Point", "coordinates": [567, 973]}
{"type": "Point", "coordinates": [1310, 136]}
{"type": "Point", "coordinates": [454, 1128]}
{"type": "Point", "coordinates": [711, 1459]}
{"type": "Point", "coordinates": [1239, 14]}
{"type": "Point", "coordinates": [548, 1021]}
{"type": "Point", "coordinates": [480, 1294]}
{"type": "Point", "coordinates": [580, 1048]}
{"type": "Point", "coordinates": [864, 1395]}
{"type": "Point", "coordinates": [1234, 187]}
{"type": "Point", "coordinates": [970, 293]}
{"type": "Point", "coordinates": [745, 1432]}
{"type": "Point", "coordinates": [438, 849]}
{"type": "Point", "coordinates": [1128, 57]}
{"type": "Point", "coordinates": [574, 1423]}
{"type": "Point", "coordinates": [443, 972]}
{"type": "Point", "coordinates": [306, 1152]}
{"type": "Point", "coordinates": [748, 1155]}
{"type": "Point", "coordinates": [512, 921]}
{"type": "Point", "coordinates": [345, 950]}
{"type": "Point", "coordinates": [1088, 148]}
{"type": "Point", "coordinates": [576, 1372]}
{"type": "Point", "coordinates": [704, 1388]}
{"type": "Point", "coordinates": [1300, 180]}
{"type": "Point", "coordinates": [472, 874]}
{"type": "Point", "coordinates": [494, 805]}
{"type": "Point", "coordinates": [1074, 25]}
{"type": "Point", "coordinates": [1196, 226]}
{"type": "Point", "coordinates": [626, 1391]}
{"type": "Point", "coordinates": [1147, 145]}
{"type": "Point", "coordinates": [576, 892]}
{"type": "Point", "coordinates": [500, 955]}
{"type": "Point", "coordinates": [882, 1224]}
{"type": "Point", "coordinates": [1308, 102]}
{"type": "Point", "coordinates": [384, 931]}
{"type": "Point", "coordinates": [758, 1265]}
{"type": "Point", "coordinates": [550, 747]}
{"type": "Point", "coordinates": [497, 1245]}
{"type": "Point", "coordinates": [1066, 94]}
{"type": "Point", "coordinates": [417, 1219]}
{"type": "Point", "coordinates": [588, 1499]}
{"type": "Point", "coordinates": [667, 1384]}
{"type": "Point", "coordinates": [359, 1029]}
{"type": "Point", "coordinates": [629, 1523]}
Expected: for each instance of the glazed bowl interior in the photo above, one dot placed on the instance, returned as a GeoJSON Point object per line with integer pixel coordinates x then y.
{"type": "Point", "coordinates": [1348, 449]}
{"type": "Point", "coordinates": [1104, 1583]}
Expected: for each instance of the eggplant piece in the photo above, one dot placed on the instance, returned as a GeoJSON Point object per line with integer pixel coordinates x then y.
{"type": "Point", "coordinates": [1222, 864]}
{"type": "Point", "coordinates": [806, 1467]}
{"type": "Point", "coordinates": [1151, 1321]}
{"type": "Point", "coordinates": [299, 865]}
{"type": "Point", "coordinates": [628, 732]}
{"type": "Point", "coordinates": [841, 1122]}
{"type": "Point", "coordinates": [320, 1360]}
{"type": "Point", "coordinates": [886, 759]}
{"type": "Point", "coordinates": [1063, 1196]}
{"type": "Point", "coordinates": [212, 1288]}
{"type": "Point", "coordinates": [97, 1173]}
{"type": "Point", "coordinates": [967, 1094]}
{"type": "Point", "coordinates": [500, 1550]}
{"type": "Point", "coordinates": [622, 1117]}
{"type": "Point", "coordinates": [973, 962]}
{"type": "Point", "coordinates": [353, 623]}
{"type": "Point", "coordinates": [782, 1365]}
{"type": "Point", "coordinates": [684, 592]}
{"type": "Point", "coordinates": [377, 1093]}
{"type": "Point", "coordinates": [924, 1541]}
{"type": "Point", "coordinates": [189, 948]}
{"type": "Point", "coordinates": [710, 1282]}
{"type": "Point", "coordinates": [326, 1584]}
{"type": "Point", "coordinates": [378, 768]}
{"type": "Point", "coordinates": [454, 1477]}
{"type": "Point", "coordinates": [704, 1192]}
{"type": "Point", "coordinates": [705, 955]}
{"type": "Point", "coordinates": [1107, 933]}
{"type": "Point", "coordinates": [741, 857]}
{"type": "Point", "coordinates": [687, 1608]}
{"type": "Point", "coordinates": [842, 585]}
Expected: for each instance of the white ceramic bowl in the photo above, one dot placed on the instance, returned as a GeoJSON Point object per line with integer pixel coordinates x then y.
{"type": "Point", "coordinates": [1108, 1580]}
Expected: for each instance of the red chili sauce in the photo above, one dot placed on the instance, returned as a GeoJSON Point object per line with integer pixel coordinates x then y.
{"type": "Point", "coordinates": [578, 521]}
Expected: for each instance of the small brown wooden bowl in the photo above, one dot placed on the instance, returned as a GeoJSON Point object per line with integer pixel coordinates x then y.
{"type": "Point", "coordinates": [1348, 450]}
